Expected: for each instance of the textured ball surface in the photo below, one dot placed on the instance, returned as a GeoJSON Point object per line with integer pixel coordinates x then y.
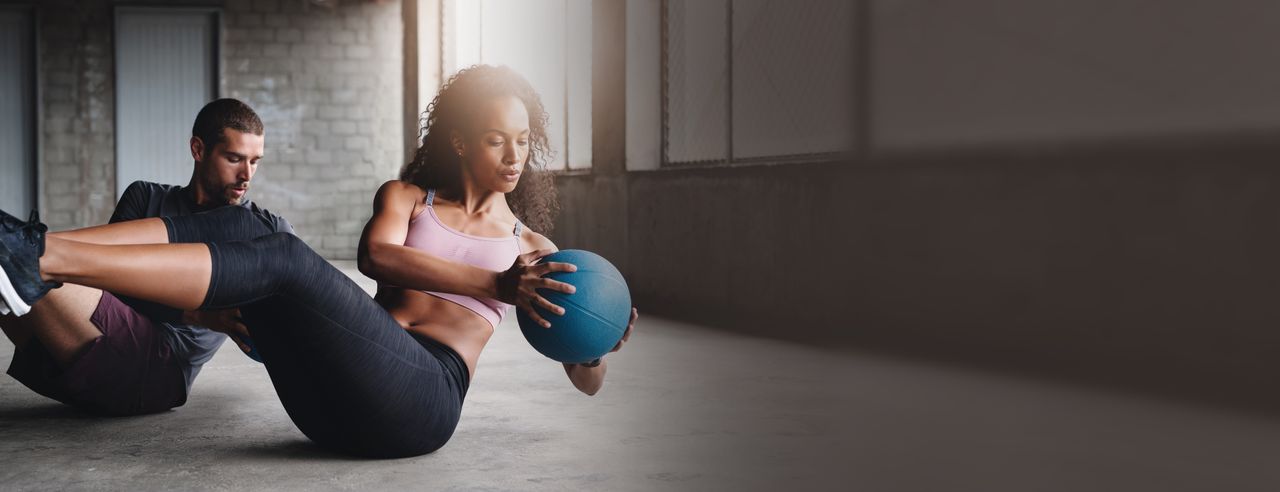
{"type": "Point", "coordinates": [596, 314]}
{"type": "Point", "coordinates": [253, 349]}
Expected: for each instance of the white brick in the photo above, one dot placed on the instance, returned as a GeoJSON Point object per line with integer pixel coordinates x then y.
{"type": "Point", "coordinates": [345, 95]}
{"type": "Point", "coordinates": [275, 20]}
{"type": "Point", "coordinates": [343, 36]}
{"type": "Point", "coordinates": [266, 5]}
{"type": "Point", "coordinates": [359, 52]}
{"type": "Point", "coordinates": [357, 143]}
{"type": "Point", "coordinates": [288, 35]}
{"type": "Point", "coordinates": [342, 127]}
{"type": "Point", "coordinates": [275, 50]}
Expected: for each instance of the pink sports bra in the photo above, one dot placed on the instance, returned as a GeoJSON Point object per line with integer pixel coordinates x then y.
{"type": "Point", "coordinates": [429, 234]}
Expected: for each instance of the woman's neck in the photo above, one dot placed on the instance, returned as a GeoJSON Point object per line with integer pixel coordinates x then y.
{"type": "Point", "coordinates": [476, 200]}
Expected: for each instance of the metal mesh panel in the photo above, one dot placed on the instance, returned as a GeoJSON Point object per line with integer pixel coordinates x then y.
{"type": "Point", "coordinates": [578, 83]}
{"type": "Point", "coordinates": [696, 98]}
{"type": "Point", "coordinates": [792, 77]}
{"type": "Point", "coordinates": [785, 88]}
{"type": "Point", "coordinates": [164, 75]}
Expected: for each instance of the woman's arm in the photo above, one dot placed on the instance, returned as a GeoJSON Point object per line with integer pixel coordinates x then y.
{"type": "Point", "coordinates": [383, 256]}
{"type": "Point", "coordinates": [589, 379]}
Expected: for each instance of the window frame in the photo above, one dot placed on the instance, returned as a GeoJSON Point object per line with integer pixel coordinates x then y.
{"type": "Point", "coordinates": [449, 65]}
{"type": "Point", "coordinates": [860, 117]}
{"type": "Point", "coordinates": [35, 108]}
{"type": "Point", "coordinates": [219, 34]}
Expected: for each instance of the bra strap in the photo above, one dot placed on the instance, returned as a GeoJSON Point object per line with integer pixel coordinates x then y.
{"type": "Point", "coordinates": [431, 196]}
{"type": "Point", "coordinates": [519, 226]}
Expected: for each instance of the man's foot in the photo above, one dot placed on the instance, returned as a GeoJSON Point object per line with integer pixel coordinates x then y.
{"type": "Point", "coordinates": [21, 246]}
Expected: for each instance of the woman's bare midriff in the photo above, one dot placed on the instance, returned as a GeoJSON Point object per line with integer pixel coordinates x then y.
{"type": "Point", "coordinates": [457, 327]}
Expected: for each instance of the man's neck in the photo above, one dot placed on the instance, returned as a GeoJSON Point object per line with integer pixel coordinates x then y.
{"type": "Point", "coordinates": [197, 195]}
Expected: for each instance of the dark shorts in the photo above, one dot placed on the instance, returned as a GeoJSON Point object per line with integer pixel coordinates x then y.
{"type": "Point", "coordinates": [129, 370]}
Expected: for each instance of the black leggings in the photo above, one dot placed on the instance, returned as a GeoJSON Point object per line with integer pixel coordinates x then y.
{"type": "Point", "coordinates": [351, 378]}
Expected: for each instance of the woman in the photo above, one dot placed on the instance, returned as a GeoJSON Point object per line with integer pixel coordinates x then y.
{"type": "Point", "coordinates": [382, 377]}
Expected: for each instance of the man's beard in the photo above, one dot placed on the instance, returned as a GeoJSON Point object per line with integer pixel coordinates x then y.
{"type": "Point", "coordinates": [224, 194]}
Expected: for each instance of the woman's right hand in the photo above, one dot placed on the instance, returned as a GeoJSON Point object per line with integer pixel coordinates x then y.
{"type": "Point", "coordinates": [518, 285]}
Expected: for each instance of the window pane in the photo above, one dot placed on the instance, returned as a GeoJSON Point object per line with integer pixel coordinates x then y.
{"type": "Point", "coordinates": [17, 157]}
{"type": "Point", "coordinates": [579, 84]}
{"type": "Point", "coordinates": [697, 68]}
{"type": "Point", "coordinates": [164, 75]}
{"type": "Point", "coordinates": [549, 43]}
{"type": "Point", "coordinates": [792, 77]}
{"type": "Point", "coordinates": [644, 85]}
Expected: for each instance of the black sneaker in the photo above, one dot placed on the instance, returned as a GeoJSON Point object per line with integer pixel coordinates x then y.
{"type": "Point", "coordinates": [21, 246]}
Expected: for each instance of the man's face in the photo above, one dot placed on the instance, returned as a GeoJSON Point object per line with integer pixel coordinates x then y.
{"type": "Point", "coordinates": [223, 173]}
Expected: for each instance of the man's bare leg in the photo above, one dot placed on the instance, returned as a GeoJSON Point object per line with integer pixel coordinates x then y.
{"type": "Point", "coordinates": [141, 231]}
{"type": "Point", "coordinates": [60, 321]}
{"type": "Point", "coordinates": [176, 275]}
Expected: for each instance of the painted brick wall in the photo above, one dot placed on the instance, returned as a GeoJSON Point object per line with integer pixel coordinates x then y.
{"type": "Point", "coordinates": [77, 173]}
{"type": "Point", "coordinates": [325, 79]}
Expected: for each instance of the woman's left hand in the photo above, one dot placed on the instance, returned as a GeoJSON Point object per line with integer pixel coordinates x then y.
{"type": "Point", "coordinates": [627, 334]}
{"type": "Point", "coordinates": [589, 379]}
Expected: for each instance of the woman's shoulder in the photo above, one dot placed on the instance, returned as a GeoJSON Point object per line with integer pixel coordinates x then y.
{"type": "Point", "coordinates": [531, 240]}
{"type": "Point", "coordinates": [396, 190]}
{"type": "Point", "coordinates": [398, 197]}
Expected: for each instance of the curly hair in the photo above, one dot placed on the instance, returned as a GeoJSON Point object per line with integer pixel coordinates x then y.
{"type": "Point", "coordinates": [436, 165]}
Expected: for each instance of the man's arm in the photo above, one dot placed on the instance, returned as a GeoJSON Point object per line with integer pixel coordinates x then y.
{"type": "Point", "coordinates": [132, 204]}
{"type": "Point", "coordinates": [283, 225]}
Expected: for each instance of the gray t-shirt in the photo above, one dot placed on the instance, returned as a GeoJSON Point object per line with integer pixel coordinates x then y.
{"type": "Point", "coordinates": [192, 345]}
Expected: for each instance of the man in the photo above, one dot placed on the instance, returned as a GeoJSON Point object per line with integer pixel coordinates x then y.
{"type": "Point", "coordinates": [93, 350]}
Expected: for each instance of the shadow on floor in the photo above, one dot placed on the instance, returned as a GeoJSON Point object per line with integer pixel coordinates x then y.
{"type": "Point", "coordinates": [292, 450]}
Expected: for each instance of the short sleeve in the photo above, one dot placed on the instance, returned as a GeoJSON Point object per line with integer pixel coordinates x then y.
{"type": "Point", "coordinates": [283, 225]}
{"type": "Point", "coordinates": [132, 204]}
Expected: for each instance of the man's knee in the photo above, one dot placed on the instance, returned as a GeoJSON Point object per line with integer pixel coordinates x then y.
{"type": "Point", "coordinates": [15, 329]}
{"type": "Point", "coordinates": [61, 321]}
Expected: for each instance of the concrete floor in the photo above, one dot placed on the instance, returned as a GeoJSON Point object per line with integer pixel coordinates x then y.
{"type": "Point", "coordinates": [684, 408]}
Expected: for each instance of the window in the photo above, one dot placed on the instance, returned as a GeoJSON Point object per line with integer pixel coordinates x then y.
{"type": "Point", "coordinates": [739, 81]}
{"type": "Point", "coordinates": [547, 41]}
{"type": "Point", "coordinates": [165, 72]}
{"type": "Point", "coordinates": [17, 111]}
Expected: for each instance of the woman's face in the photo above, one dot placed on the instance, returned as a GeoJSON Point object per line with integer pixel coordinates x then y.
{"type": "Point", "coordinates": [495, 152]}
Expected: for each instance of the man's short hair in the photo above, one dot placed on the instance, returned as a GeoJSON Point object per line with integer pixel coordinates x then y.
{"type": "Point", "coordinates": [221, 114]}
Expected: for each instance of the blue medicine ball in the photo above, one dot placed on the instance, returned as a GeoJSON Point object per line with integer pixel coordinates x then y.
{"type": "Point", "coordinates": [595, 316]}
{"type": "Point", "coordinates": [253, 349]}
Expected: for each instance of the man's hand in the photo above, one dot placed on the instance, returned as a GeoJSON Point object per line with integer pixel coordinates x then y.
{"type": "Point", "coordinates": [226, 321]}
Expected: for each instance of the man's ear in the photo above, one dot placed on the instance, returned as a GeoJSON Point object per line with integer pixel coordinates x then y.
{"type": "Point", "coordinates": [197, 149]}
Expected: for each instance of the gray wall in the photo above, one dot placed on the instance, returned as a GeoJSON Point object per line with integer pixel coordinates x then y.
{"type": "Point", "coordinates": [326, 81]}
{"type": "Point", "coordinates": [1084, 190]}
{"type": "Point", "coordinates": [77, 104]}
